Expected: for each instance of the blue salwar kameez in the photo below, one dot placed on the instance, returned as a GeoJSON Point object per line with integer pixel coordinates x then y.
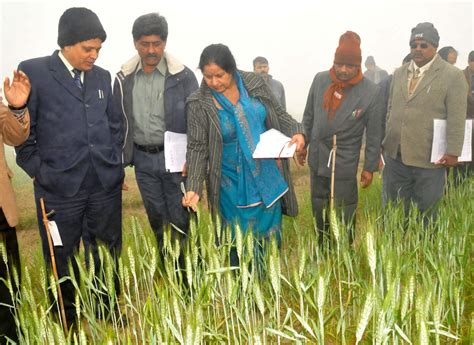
{"type": "Point", "coordinates": [251, 190]}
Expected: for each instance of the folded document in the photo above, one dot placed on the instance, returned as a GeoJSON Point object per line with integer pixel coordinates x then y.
{"type": "Point", "coordinates": [274, 144]}
{"type": "Point", "coordinates": [440, 142]}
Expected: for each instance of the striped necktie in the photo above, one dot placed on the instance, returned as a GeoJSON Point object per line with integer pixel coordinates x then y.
{"type": "Point", "coordinates": [77, 78]}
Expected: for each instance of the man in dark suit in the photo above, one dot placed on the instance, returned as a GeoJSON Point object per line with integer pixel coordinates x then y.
{"type": "Point", "coordinates": [342, 102]}
{"type": "Point", "coordinates": [73, 152]}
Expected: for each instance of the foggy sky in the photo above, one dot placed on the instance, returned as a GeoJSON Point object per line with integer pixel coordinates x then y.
{"type": "Point", "coordinates": [298, 38]}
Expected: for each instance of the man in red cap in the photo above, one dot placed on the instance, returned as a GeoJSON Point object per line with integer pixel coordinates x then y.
{"type": "Point", "coordinates": [342, 102]}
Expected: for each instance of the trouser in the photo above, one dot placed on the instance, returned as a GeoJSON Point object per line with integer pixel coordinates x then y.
{"type": "Point", "coordinates": [93, 215]}
{"type": "Point", "coordinates": [421, 186]}
{"type": "Point", "coordinates": [10, 243]}
{"type": "Point", "coordinates": [462, 172]}
{"type": "Point", "coordinates": [345, 202]}
{"type": "Point", "coordinates": [161, 194]}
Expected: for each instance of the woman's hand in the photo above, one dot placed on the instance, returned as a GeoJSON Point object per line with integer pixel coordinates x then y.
{"type": "Point", "coordinates": [298, 139]}
{"type": "Point", "coordinates": [301, 157]}
{"type": "Point", "coordinates": [190, 200]}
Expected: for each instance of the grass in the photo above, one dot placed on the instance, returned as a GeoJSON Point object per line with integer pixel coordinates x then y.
{"type": "Point", "coordinates": [397, 283]}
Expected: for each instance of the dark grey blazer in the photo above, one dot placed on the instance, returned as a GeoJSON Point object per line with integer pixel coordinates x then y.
{"type": "Point", "coordinates": [362, 108]}
{"type": "Point", "coordinates": [204, 155]}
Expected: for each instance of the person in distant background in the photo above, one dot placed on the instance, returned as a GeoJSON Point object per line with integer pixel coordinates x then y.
{"type": "Point", "coordinates": [14, 130]}
{"type": "Point", "coordinates": [467, 169]}
{"type": "Point", "coordinates": [374, 72]}
{"type": "Point", "coordinates": [385, 91]}
{"type": "Point", "coordinates": [448, 54]}
{"type": "Point", "coordinates": [260, 66]}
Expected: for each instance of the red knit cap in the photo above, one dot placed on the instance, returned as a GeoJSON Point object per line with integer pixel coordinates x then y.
{"type": "Point", "coordinates": [348, 51]}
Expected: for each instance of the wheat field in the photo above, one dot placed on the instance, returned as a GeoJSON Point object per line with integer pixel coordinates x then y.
{"type": "Point", "coordinates": [398, 283]}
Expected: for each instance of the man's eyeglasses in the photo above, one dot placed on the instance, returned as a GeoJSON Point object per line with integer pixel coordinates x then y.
{"type": "Point", "coordinates": [414, 45]}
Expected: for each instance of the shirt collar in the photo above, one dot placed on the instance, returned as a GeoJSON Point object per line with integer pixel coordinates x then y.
{"type": "Point", "coordinates": [161, 67]}
{"type": "Point", "coordinates": [422, 69]}
{"type": "Point", "coordinates": [67, 64]}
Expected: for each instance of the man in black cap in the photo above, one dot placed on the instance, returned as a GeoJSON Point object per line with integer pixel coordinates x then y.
{"type": "Point", "coordinates": [73, 153]}
{"type": "Point", "coordinates": [426, 89]}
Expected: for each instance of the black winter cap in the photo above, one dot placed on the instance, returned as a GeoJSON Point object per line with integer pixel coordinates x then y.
{"type": "Point", "coordinates": [79, 24]}
{"type": "Point", "coordinates": [425, 31]}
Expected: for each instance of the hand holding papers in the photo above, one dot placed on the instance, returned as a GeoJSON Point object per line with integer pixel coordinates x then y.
{"type": "Point", "coordinates": [175, 151]}
{"type": "Point", "coordinates": [274, 144]}
{"type": "Point", "coordinates": [440, 141]}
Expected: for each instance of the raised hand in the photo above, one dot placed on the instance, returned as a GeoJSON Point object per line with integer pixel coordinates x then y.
{"type": "Point", "coordinates": [18, 91]}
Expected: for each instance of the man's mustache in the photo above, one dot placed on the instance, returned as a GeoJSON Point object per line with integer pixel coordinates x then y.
{"type": "Point", "coordinates": [151, 55]}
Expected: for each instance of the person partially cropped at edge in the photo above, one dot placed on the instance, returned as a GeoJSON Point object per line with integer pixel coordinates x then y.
{"type": "Point", "coordinates": [14, 130]}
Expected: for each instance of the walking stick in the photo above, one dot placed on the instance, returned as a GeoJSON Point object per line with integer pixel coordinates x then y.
{"type": "Point", "coordinates": [53, 262]}
{"type": "Point", "coordinates": [333, 171]}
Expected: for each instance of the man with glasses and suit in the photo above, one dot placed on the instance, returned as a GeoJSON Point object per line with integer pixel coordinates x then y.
{"type": "Point", "coordinates": [427, 88]}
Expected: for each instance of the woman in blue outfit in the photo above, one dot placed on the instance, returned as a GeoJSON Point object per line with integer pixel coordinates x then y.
{"type": "Point", "coordinates": [225, 118]}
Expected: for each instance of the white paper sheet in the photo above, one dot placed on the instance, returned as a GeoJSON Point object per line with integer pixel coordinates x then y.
{"type": "Point", "coordinates": [440, 143]}
{"type": "Point", "coordinates": [175, 151]}
{"type": "Point", "coordinates": [274, 144]}
{"type": "Point", "coordinates": [54, 231]}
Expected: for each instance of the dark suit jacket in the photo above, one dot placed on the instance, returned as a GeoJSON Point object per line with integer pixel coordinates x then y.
{"type": "Point", "coordinates": [361, 108]}
{"type": "Point", "coordinates": [71, 129]}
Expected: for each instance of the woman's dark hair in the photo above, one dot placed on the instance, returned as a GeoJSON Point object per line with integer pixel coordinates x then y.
{"type": "Point", "coordinates": [220, 55]}
{"type": "Point", "coordinates": [444, 52]}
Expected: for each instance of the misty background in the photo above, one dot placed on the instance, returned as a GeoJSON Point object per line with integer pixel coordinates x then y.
{"type": "Point", "coordinates": [298, 38]}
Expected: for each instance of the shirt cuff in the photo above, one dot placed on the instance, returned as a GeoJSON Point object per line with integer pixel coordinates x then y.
{"type": "Point", "coordinates": [19, 114]}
